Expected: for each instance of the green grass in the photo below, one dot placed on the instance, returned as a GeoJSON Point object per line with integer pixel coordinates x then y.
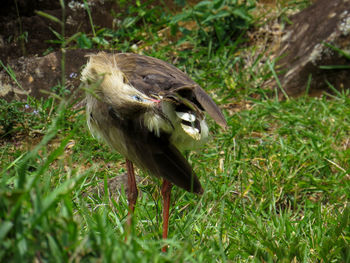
{"type": "Point", "coordinates": [281, 193]}
{"type": "Point", "coordinates": [277, 181]}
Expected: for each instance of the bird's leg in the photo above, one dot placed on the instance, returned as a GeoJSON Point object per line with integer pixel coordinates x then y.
{"type": "Point", "coordinates": [132, 190]}
{"type": "Point", "coordinates": [166, 193]}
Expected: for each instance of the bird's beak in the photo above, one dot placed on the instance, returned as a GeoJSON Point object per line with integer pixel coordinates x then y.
{"type": "Point", "coordinates": [149, 101]}
{"type": "Point", "coordinates": [154, 100]}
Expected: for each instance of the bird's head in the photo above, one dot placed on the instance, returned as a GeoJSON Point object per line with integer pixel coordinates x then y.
{"type": "Point", "coordinates": [107, 83]}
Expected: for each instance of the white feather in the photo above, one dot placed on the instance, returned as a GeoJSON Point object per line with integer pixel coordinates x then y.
{"type": "Point", "coordinates": [186, 116]}
{"type": "Point", "coordinates": [193, 132]}
{"type": "Point", "coordinates": [155, 123]}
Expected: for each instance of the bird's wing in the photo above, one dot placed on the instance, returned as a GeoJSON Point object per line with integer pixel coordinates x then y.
{"type": "Point", "coordinates": [156, 154]}
{"type": "Point", "coordinates": [153, 76]}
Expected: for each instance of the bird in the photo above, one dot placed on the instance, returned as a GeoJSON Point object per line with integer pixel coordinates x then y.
{"type": "Point", "coordinates": [150, 112]}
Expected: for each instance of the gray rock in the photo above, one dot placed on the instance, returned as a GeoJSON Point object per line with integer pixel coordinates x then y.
{"type": "Point", "coordinates": [307, 46]}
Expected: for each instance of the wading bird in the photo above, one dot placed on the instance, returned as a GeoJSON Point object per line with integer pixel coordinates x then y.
{"type": "Point", "coordinates": [148, 111]}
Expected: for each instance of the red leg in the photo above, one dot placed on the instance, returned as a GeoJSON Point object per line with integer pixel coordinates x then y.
{"type": "Point", "coordinates": [166, 193]}
{"type": "Point", "coordinates": [132, 190]}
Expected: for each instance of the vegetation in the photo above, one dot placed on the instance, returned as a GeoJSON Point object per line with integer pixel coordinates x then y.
{"type": "Point", "coordinates": [277, 182]}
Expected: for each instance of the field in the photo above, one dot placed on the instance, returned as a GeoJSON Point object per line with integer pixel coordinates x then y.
{"type": "Point", "coordinates": [277, 181]}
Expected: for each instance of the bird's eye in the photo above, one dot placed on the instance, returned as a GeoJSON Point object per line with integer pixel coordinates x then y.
{"type": "Point", "coordinates": [137, 98]}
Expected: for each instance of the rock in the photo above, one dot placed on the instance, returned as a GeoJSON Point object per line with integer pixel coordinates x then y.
{"type": "Point", "coordinates": [307, 46]}
{"type": "Point", "coordinates": [38, 76]}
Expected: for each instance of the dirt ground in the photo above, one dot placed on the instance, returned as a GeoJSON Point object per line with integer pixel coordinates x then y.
{"type": "Point", "coordinates": [25, 33]}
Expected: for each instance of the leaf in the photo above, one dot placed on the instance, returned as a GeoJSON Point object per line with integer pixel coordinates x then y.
{"type": "Point", "coordinates": [180, 17]}
{"type": "Point", "coordinates": [100, 41]}
{"type": "Point", "coordinates": [335, 67]}
{"type": "Point", "coordinates": [50, 17]}
{"type": "Point", "coordinates": [74, 37]}
{"type": "Point", "coordinates": [84, 42]}
{"type": "Point", "coordinates": [205, 4]}
{"type": "Point", "coordinates": [129, 21]}
{"type": "Point", "coordinates": [217, 16]}
{"type": "Point", "coordinates": [241, 13]}
{"type": "Point", "coordinates": [5, 227]}
{"type": "Point", "coordinates": [340, 51]}
{"type": "Point", "coordinates": [58, 35]}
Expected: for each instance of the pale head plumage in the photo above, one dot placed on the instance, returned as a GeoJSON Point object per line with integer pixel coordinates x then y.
{"type": "Point", "coordinates": [107, 80]}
